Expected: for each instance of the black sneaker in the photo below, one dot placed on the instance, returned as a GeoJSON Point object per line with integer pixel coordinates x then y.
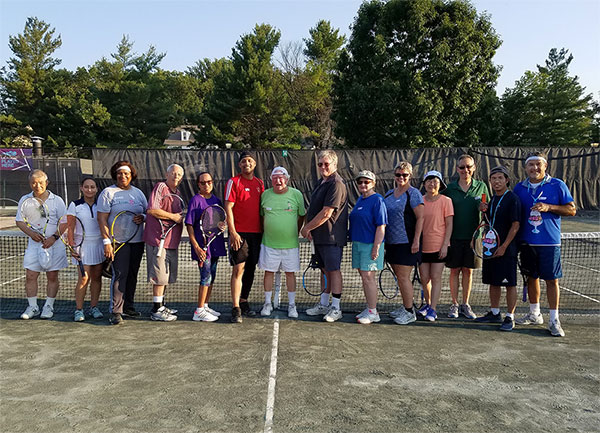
{"type": "Point", "coordinates": [507, 325]}
{"type": "Point", "coordinates": [130, 312]}
{"type": "Point", "coordinates": [489, 318]}
{"type": "Point", "coordinates": [236, 315]}
{"type": "Point", "coordinates": [246, 310]}
{"type": "Point", "coordinates": [115, 319]}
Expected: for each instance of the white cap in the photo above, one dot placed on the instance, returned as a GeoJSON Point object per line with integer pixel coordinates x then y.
{"type": "Point", "coordinates": [279, 171]}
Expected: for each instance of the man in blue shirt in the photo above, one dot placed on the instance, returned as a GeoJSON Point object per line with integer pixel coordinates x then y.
{"type": "Point", "coordinates": [544, 200]}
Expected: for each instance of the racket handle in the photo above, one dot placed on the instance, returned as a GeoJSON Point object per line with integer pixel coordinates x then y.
{"type": "Point", "coordinates": [483, 198]}
{"type": "Point", "coordinates": [524, 292]}
{"type": "Point", "coordinates": [81, 268]}
{"type": "Point", "coordinates": [312, 247]}
{"type": "Point", "coordinates": [161, 248]}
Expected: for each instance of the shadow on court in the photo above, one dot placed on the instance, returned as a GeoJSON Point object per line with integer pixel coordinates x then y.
{"type": "Point", "coordinates": [60, 376]}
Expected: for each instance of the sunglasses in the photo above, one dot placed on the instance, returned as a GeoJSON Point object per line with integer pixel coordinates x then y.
{"type": "Point", "coordinates": [363, 182]}
{"type": "Point", "coordinates": [205, 182]}
{"type": "Point", "coordinates": [404, 175]}
{"type": "Point", "coordinates": [321, 164]}
{"type": "Point", "coordinates": [462, 167]}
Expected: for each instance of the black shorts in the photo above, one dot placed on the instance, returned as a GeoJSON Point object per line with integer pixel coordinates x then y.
{"type": "Point", "coordinates": [400, 254]}
{"type": "Point", "coordinates": [248, 252]}
{"type": "Point", "coordinates": [433, 258]}
{"type": "Point", "coordinates": [460, 255]}
{"type": "Point", "coordinates": [500, 271]}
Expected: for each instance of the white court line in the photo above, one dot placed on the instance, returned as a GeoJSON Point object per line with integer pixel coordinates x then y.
{"type": "Point", "coordinates": [12, 281]}
{"type": "Point", "coordinates": [11, 257]}
{"type": "Point", "coordinates": [272, 379]}
{"type": "Point", "coordinates": [583, 267]}
{"type": "Point", "coordinates": [580, 294]}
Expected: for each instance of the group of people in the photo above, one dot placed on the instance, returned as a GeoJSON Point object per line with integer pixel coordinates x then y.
{"type": "Point", "coordinates": [404, 228]}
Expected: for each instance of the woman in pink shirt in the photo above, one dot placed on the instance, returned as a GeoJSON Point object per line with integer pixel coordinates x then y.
{"type": "Point", "coordinates": [437, 228]}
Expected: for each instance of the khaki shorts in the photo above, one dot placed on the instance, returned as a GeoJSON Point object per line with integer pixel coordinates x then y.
{"type": "Point", "coordinates": [161, 270]}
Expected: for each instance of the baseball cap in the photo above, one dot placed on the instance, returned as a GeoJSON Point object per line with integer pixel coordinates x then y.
{"type": "Point", "coordinates": [366, 174]}
{"type": "Point", "coordinates": [246, 154]}
{"type": "Point", "coordinates": [500, 169]}
{"type": "Point", "coordinates": [280, 171]}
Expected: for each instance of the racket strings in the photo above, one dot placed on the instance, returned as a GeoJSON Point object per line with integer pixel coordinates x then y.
{"type": "Point", "coordinates": [34, 212]}
{"type": "Point", "coordinates": [124, 229]}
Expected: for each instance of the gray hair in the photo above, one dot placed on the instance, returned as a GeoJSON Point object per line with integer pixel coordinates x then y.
{"type": "Point", "coordinates": [465, 156]}
{"type": "Point", "coordinates": [172, 166]}
{"type": "Point", "coordinates": [329, 154]}
{"type": "Point", "coordinates": [37, 173]}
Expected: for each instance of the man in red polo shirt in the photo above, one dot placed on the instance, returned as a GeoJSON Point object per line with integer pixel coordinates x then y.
{"type": "Point", "coordinates": [242, 205]}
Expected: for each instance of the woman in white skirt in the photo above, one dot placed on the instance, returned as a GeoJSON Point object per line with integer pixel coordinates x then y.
{"type": "Point", "coordinates": [91, 251]}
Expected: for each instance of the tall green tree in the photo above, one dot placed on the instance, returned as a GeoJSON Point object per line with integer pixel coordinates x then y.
{"type": "Point", "coordinates": [412, 73]}
{"type": "Point", "coordinates": [548, 107]}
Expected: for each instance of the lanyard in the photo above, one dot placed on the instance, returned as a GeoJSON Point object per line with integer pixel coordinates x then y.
{"type": "Point", "coordinates": [494, 211]}
{"type": "Point", "coordinates": [529, 187]}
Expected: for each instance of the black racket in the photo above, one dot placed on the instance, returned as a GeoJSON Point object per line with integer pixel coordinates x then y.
{"type": "Point", "coordinates": [388, 283]}
{"type": "Point", "coordinates": [311, 278]}
{"type": "Point", "coordinates": [212, 223]}
{"type": "Point", "coordinates": [525, 250]}
{"type": "Point", "coordinates": [71, 232]}
{"type": "Point", "coordinates": [174, 204]}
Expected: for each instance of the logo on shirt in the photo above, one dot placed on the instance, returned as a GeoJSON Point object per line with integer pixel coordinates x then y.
{"type": "Point", "coordinates": [359, 208]}
{"type": "Point", "coordinates": [247, 189]}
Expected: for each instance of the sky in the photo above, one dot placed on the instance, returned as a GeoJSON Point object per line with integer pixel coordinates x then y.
{"type": "Point", "coordinates": [195, 29]}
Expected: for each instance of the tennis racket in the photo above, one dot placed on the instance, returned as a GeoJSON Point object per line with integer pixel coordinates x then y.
{"type": "Point", "coordinates": [525, 249]}
{"type": "Point", "coordinates": [311, 278]}
{"type": "Point", "coordinates": [212, 223]}
{"type": "Point", "coordinates": [71, 232]}
{"type": "Point", "coordinates": [485, 240]}
{"type": "Point", "coordinates": [174, 204]}
{"type": "Point", "coordinates": [35, 214]}
{"type": "Point", "coordinates": [123, 229]}
{"type": "Point", "coordinates": [388, 283]}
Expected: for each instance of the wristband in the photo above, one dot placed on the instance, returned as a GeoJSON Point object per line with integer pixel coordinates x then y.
{"type": "Point", "coordinates": [55, 236]}
{"type": "Point", "coordinates": [106, 241]}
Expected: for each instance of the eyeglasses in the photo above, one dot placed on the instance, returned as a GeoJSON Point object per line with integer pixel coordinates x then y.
{"type": "Point", "coordinates": [205, 182]}
{"type": "Point", "coordinates": [462, 167]}
{"type": "Point", "coordinates": [363, 182]}
{"type": "Point", "coordinates": [404, 175]}
{"type": "Point", "coordinates": [321, 164]}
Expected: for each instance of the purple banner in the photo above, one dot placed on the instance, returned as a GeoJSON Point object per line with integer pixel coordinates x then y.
{"type": "Point", "coordinates": [15, 159]}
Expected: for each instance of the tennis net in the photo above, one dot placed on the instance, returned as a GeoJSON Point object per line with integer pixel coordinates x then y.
{"type": "Point", "coordinates": [580, 286]}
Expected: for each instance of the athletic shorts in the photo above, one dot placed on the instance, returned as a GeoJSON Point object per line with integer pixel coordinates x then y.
{"type": "Point", "coordinates": [460, 255]}
{"type": "Point", "coordinates": [500, 271]}
{"type": "Point", "coordinates": [541, 261]}
{"type": "Point", "coordinates": [55, 260]}
{"type": "Point", "coordinates": [274, 259]}
{"type": "Point", "coordinates": [249, 251]}
{"type": "Point", "coordinates": [361, 257]}
{"type": "Point", "coordinates": [400, 254]}
{"type": "Point", "coordinates": [329, 256]}
{"type": "Point", "coordinates": [208, 271]}
{"type": "Point", "coordinates": [161, 270]}
{"type": "Point", "coordinates": [432, 258]}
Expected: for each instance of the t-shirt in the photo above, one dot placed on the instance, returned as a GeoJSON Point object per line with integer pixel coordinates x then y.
{"type": "Point", "coordinates": [113, 200]}
{"type": "Point", "coordinates": [56, 209]}
{"type": "Point", "coordinates": [541, 228]}
{"type": "Point", "coordinates": [501, 213]}
{"type": "Point", "coordinates": [88, 216]}
{"type": "Point", "coordinates": [192, 218]}
{"type": "Point", "coordinates": [330, 192]}
{"type": "Point", "coordinates": [281, 212]}
{"type": "Point", "coordinates": [434, 223]}
{"type": "Point", "coordinates": [366, 216]}
{"type": "Point", "coordinates": [153, 229]}
{"type": "Point", "coordinates": [246, 196]}
{"type": "Point", "coordinates": [466, 207]}
{"type": "Point", "coordinates": [395, 232]}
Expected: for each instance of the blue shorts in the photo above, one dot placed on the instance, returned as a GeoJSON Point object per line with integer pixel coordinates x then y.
{"type": "Point", "coordinates": [541, 261]}
{"type": "Point", "coordinates": [329, 257]}
{"type": "Point", "coordinates": [361, 257]}
{"type": "Point", "coordinates": [208, 271]}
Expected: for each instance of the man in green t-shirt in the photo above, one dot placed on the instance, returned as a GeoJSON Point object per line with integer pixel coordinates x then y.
{"type": "Point", "coordinates": [282, 211]}
{"type": "Point", "coordinates": [466, 194]}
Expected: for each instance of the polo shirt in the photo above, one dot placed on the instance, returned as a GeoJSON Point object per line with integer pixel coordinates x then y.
{"type": "Point", "coordinates": [466, 207]}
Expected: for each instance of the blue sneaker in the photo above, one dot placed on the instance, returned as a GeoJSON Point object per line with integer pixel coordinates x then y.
{"type": "Point", "coordinates": [431, 315]}
{"type": "Point", "coordinates": [423, 310]}
{"type": "Point", "coordinates": [508, 324]}
{"type": "Point", "coordinates": [489, 318]}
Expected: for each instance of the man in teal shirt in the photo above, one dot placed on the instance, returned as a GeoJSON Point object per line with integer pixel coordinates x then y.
{"type": "Point", "coordinates": [466, 194]}
{"type": "Point", "coordinates": [282, 210]}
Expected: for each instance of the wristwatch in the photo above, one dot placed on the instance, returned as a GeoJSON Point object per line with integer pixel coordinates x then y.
{"type": "Point", "coordinates": [55, 236]}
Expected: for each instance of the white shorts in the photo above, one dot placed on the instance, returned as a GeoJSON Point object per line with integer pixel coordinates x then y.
{"type": "Point", "coordinates": [274, 259]}
{"type": "Point", "coordinates": [58, 257]}
{"type": "Point", "coordinates": [91, 252]}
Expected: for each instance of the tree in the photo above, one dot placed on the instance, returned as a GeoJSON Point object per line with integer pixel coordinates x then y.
{"type": "Point", "coordinates": [413, 72]}
{"type": "Point", "coordinates": [548, 107]}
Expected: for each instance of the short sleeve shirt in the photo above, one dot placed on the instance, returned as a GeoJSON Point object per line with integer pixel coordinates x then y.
{"type": "Point", "coordinates": [501, 213]}
{"type": "Point", "coordinates": [88, 216]}
{"type": "Point", "coordinates": [330, 192]}
{"type": "Point", "coordinates": [541, 228]}
{"type": "Point", "coordinates": [368, 214]}
{"type": "Point", "coordinates": [281, 212]}
{"type": "Point", "coordinates": [56, 209]}
{"type": "Point", "coordinates": [153, 229]}
{"type": "Point", "coordinates": [192, 218]}
{"type": "Point", "coordinates": [466, 207]}
{"type": "Point", "coordinates": [434, 223]}
{"type": "Point", "coordinates": [113, 200]}
{"type": "Point", "coordinates": [245, 194]}
{"type": "Point", "coordinates": [395, 232]}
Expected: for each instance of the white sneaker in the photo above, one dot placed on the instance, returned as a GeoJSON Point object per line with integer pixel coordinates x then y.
{"type": "Point", "coordinates": [47, 312]}
{"type": "Point", "coordinates": [78, 316]}
{"type": "Point", "coordinates": [203, 315]}
{"type": "Point", "coordinates": [292, 311]}
{"type": "Point", "coordinates": [404, 318]}
{"type": "Point", "coordinates": [317, 310]}
{"type": "Point", "coordinates": [363, 313]}
{"type": "Point", "coordinates": [163, 315]}
{"type": "Point", "coordinates": [267, 309]}
{"type": "Point", "coordinates": [530, 319]}
{"type": "Point", "coordinates": [395, 313]}
{"type": "Point", "coordinates": [211, 311]}
{"type": "Point", "coordinates": [555, 328]}
{"type": "Point", "coordinates": [30, 312]}
{"type": "Point", "coordinates": [96, 313]}
{"type": "Point", "coordinates": [332, 315]}
{"type": "Point", "coordinates": [369, 318]}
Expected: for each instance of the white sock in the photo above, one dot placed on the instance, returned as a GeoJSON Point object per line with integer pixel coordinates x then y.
{"type": "Point", "coordinates": [199, 310]}
{"type": "Point", "coordinates": [50, 302]}
{"type": "Point", "coordinates": [373, 310]}
{"type": "Point", "coordinates": [206, 306]}
{"type": "Point", "coordinates": [535, 309]}
{"type": "Point", "coordinates": [158, 299]}
{"type": "Point", "coordinates": [511, 315]}
{"type": "Point", "coordinates": [268, 297]}
{"type": "Point", "coordinates": [292, 298]}
{"type": "Point", "coordinates": [32, 301]}
{"type": "Point", "coordinates": [495, 311]}
{"type": "Point", "coordinates": [335, 303]}
{"type": "Point", "coordinates": [325, 299]}
{"type": "Point", "coordinates": [553, 315]}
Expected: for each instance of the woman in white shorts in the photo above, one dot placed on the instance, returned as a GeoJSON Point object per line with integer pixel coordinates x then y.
{"type": "Point", "coordinates": [91, 251]}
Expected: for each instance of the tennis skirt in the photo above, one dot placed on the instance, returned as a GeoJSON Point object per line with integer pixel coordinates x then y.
{"type": "Point", "coordinates": [91, 251]}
